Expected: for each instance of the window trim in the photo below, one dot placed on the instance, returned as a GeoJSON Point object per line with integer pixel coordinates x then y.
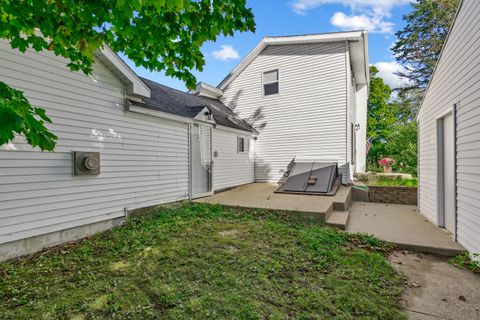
{"type": "Point", "coordinates": [272, 82]}
{"type": "Point", "coordinates": [238, 144]}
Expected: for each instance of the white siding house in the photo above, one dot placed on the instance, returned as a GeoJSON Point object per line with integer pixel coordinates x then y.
{"type": "Point", "coordinates": [144, 152]}
{"type": "Point", "coordinates": [314, 105]}
{"type": "Point", "coordinates": [232, 167]}
{"type": "Point", "coordinates": [157, 144]}
{"type": "Point", "coordinates": [449, 133]}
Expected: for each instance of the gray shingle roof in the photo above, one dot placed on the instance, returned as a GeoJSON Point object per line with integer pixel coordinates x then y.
{"type": "Point", "coordinates": [184, 104]}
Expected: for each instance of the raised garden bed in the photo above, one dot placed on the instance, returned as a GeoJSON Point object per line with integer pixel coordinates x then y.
{"type": "Point", "coordinates": [393, 194]}
{"type": "Point", "coordinates": [392, 188]}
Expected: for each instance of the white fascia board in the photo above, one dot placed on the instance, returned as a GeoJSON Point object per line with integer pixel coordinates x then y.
{"type": "Point", "coordinates": [367, 63]}
{"type": "Point", "coordinates": [303, 39]}
{"type": "Point", "coordinates": [135, 85]}
{"type": "Point", "coordinates": [156, 113]}
{"type": "Point", "coordinates": [242, 65]}
{"type": "Point", "coordinates": [168, 116]}
{"type": "Point", "coordinates": [315, 38]}
{"type": "Point", "coordinates": [237, 131]}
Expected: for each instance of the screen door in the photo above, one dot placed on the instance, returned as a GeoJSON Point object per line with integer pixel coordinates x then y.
{"type": "Point", "coordinates": [201, 155]}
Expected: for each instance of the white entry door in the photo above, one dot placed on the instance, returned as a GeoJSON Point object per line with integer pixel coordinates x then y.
{"type": "Point", "coordinates": [449, 173]}
{"type": "Point", "coordinates": [201, 160]}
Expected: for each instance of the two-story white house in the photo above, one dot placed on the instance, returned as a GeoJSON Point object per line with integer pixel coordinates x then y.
{"type": "Point", "coordinates": [307, 97]}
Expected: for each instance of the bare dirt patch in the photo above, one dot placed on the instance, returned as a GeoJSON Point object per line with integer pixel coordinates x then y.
{"type": "Point", "coordinates": [229, 233]}
{"type": "Point", "coordinates": [435, 289]}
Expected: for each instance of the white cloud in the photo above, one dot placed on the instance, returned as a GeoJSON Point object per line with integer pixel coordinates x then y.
{"type": "Point", "coordinates": [227, 52]}
{"type": "Point", "coordinates": [381, 7]}
{"type": "Point", "coordinates": [387, 70]}
{"type": "Point", "coordinates": [365, 14]}
{"type": "Point", "coordinates": [361, 22]}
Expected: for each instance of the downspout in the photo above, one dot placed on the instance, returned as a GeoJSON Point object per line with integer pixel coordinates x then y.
{"type": "Point", "coordinates": [454, 114]}
{"type": "Point", "coordinates": [347, 68]}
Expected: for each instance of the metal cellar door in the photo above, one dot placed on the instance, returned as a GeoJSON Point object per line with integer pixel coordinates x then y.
{"type": "Point", "coordinates": [201, 149]}
{"type": "Point", "coordinates": [311, 178]}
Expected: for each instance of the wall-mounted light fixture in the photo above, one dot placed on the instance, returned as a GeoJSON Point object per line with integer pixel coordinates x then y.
{"type": "Point", "coordinates": [357, 127]}
{"type": "Point", "coordinates": [208, 114]}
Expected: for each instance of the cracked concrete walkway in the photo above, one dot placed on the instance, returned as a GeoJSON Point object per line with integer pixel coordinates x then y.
{"type": "Point", "coordinates": [435, 289]}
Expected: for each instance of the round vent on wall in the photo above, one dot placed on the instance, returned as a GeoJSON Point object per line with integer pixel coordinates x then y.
{"type": "Point", "coordinates": [86, 163]}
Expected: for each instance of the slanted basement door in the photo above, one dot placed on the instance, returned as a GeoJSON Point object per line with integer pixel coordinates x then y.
{"type": "Point", "coordinates": [314, 178]}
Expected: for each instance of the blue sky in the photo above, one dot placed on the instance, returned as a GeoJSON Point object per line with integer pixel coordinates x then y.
{"type": "Point", "coordinates": [288, 17]}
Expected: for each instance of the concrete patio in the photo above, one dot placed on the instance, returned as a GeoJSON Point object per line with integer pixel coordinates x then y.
{"type": "Point", "coordinates": [400, 224]}
{"type": "Point", "coordinates": [263, 196]}
{"type": "Point", "coordinates": [403, 225]}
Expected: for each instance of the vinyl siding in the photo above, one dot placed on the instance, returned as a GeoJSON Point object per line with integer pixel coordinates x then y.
{"type": "Point", "coordinates": [144, 160]}
{"type": "Point", "coordinates": [230, 167]}
{"type": "Point", "coordinates": [307, 119]}
{"type": "Point", "coordinates": [456, 80]}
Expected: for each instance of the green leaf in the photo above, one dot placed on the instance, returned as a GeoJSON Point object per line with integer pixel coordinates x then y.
{"type": "Point", "coordinates": [145, 30]}
{"type": "Point", "coordinates": [17, 115]}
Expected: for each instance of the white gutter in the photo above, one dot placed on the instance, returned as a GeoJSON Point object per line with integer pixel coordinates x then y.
{"type": "Point", "coordinates": [156, 113]}
{"type": "Point", "coordinates": [233, 130]}
{"type": "Point", "coordinates": [169, 116]}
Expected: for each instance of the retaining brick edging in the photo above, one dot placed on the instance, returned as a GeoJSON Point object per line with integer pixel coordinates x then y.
{"type": "Point", "coordinates": [393, 194]}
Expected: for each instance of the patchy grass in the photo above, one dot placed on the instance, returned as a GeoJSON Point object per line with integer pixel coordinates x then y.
{"type": "Point", "coordinates": [206, 262]}
{"type": "Point", "coordinates": [464, 261]}
{"type": "Point", "coordinates": [396, 181]}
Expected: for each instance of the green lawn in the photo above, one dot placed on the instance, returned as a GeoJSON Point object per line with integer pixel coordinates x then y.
{"type": "Point", "coordinates": [206, 262]}
{"type": "Point", "coordinates": [389, 181]}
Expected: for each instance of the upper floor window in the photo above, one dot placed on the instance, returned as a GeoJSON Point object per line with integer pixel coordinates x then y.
{"type": "Point", "coordinates": [270, 82]}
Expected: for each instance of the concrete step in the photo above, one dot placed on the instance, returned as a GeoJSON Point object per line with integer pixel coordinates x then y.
{"type": "Point", "coordinates": [338, 219]}
{"type": "Point", "coordinates": [327, 213]}
{"type": "Point", "coordinates": [341, 200]}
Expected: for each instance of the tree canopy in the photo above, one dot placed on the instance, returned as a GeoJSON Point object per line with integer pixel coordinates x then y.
{"type": "Point", "coordinates": [380, 115]}
{"type": "Point", "coordinates": [420, 42]}
{"type": "Point", "coordinates": [391, 124]}
{"type": "Point", "coordinates": [155, 34]}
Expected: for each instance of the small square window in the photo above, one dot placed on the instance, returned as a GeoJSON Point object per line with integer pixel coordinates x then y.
{"type": "Point", "coordinates": [270, 82]}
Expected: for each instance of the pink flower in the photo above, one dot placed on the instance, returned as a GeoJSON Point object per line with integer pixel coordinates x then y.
{"type": "Point", "coordinates": [386, 162]}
